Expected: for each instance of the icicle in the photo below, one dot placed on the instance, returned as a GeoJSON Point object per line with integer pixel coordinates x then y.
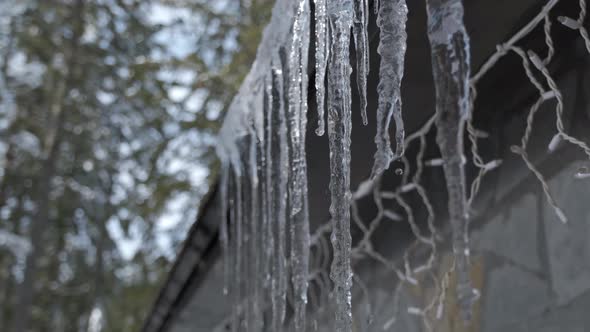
{"type": "Point", "coordinates": [339, 129]}
{"type": "Point", "coordinates": [391, 20]}
{"type": "Point", "coordinates": [321, 60]}
{"type": "Point", "coordinates": [223, 235]}
{"type": "Point", "coordinates": [278, 199]}
{"type": "Point", "coordinates": [300, 243]}
{"type": "Point", "coordinates": [361, 41]}
{"type": "Point", "coordinates": [299, 222]}
{"type": "Point", "coordinates": [254, 313]}
{"type": "Point", "coordinates": [298, 104]}
{"type": "Point", "coordinates": [235, 225]}
{"type": "Point", "coordinates": [273, 172]}
{"type": "Point", "coordinates": [451, 68]}
{"type": "Point", "coordinates": [262, 243]}
{"type": "Point", "coordinates": [267, 210]}
{"type": "Point", "coordinates": [282, 229]}
{"type": "Point", "coordinates": [231, 189]}
{"type": "Point", "coordinates": [239, 238]}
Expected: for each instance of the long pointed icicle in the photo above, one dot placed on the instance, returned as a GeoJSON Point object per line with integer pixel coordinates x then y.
{"type": "Point", "coordinates": [223, 229]}
{"type": "Point", "coordinates": [268, 211]}
{"type": "Point", "coordinates": [451, 69]}
{"type": "Point", "coordinates": [254, 313]}
{"type": "Point", "coordinates": [298, 105]}
{"type": "Point", "coordinates": [299, 222]}
{"type": "Point", "coordinates": [273, 201]}
{"type": "Point", "coordinates": [231, 252]}
{"type": "Point", "coordinates": [321, 60]}
{"type": "Point", "coordinates": [339, 130]}
{"type": "Point", "coordinates": [278, 199]}
{"type": "Point", "coordinates": [361, 41]}
{"type": "Point", "coordinates": [231, 157]}
{"type": "Point", "coordinates": [236, 219]}
{"type": "Point", "coordinates": [391, 20]}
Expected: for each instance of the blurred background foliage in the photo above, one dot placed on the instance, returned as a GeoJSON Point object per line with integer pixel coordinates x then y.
{"type": "Point", "coordinates": [108, 113]}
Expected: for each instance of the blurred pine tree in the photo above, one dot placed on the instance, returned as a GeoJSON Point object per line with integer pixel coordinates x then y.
{"type": "Point", "coordinates": [111, 124]}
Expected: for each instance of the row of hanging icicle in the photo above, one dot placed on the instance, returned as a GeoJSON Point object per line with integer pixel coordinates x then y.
{"type": "Point", "coordinates": [263, 187]}
{"type": "Point", "coordinates": [264, 191]}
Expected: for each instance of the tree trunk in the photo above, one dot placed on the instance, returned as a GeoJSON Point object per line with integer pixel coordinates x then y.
{"type": "Point", "coordinates": [22, 311]}
{"type": "Point", "coordinates": [40, 222]}
{"type": "Point", "coordinates": [4, 284]}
